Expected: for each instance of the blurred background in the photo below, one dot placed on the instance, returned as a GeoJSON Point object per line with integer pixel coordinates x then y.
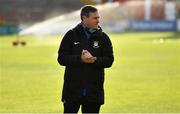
{"type": "Point", "coordinates": [144, 78]}
{"type": "Point", "coordinates": [117, 15]}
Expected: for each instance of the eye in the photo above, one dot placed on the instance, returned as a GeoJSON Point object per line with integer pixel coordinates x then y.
{"type": "Point", "coordinates": [96, 17]}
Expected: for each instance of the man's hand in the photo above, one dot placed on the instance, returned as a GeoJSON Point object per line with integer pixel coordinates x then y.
{"type": "Point", "coordinates": [87, 57]}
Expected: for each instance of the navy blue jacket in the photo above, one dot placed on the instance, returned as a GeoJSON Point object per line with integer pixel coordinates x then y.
{"type": "Point", "coordinates": [77, 74]}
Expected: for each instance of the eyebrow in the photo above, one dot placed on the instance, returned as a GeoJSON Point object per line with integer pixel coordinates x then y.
{"type": "Point", "coordinates": [97, 17]}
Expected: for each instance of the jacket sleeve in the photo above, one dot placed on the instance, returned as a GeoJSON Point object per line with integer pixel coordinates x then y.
{"type": "Point", "coordinates": [65, 56]}
{"type": "Point", "coordinates": [107, 58]}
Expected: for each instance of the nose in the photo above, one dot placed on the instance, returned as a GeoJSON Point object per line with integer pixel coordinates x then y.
{"type": "Point", "coordinates": [97, 20]}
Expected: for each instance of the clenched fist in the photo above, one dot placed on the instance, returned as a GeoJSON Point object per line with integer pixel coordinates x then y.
{"type": "Point", "coordinates": [86, 57]}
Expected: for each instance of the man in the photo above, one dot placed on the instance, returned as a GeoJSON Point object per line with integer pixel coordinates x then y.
{"type": "Point", "coordinates": [85, 51]}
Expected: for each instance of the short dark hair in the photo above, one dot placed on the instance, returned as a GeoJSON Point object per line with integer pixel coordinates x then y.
{"type": "Point", "coordinates": [86, 10]}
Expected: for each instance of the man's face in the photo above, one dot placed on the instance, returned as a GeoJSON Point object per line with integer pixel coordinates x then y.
{"type": "Point", "coordinates": [92, 21]}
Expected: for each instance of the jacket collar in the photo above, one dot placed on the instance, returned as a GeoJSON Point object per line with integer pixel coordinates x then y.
{"type": "Point", "coordinates": [80, 28]}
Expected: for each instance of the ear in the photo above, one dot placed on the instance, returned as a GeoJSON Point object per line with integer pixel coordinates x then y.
{"type": "Point", "coordinates": [84, 18]}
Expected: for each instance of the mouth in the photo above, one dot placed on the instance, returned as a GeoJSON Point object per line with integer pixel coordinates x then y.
{"type": "Point", "coordinates": [96, 25]}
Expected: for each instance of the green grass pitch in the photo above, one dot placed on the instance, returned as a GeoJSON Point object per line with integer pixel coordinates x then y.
{"type": "Point", "coordinates": [145, 76]}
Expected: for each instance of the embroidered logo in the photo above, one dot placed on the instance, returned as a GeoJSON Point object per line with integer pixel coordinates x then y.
{"type": "Point", "coordinates": [96, 44]}
{"type": "Point", "coordinates": [75, 43]}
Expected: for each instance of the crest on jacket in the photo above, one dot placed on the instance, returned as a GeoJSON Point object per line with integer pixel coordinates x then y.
{"type": "Point", "coordinates": [96, 44]}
